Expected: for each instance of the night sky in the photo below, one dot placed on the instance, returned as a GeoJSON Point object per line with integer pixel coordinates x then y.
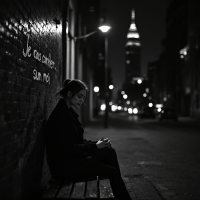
{"type": "Point", "coordinates": [150, 22]}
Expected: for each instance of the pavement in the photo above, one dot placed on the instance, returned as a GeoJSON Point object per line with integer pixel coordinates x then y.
{"type": "Point", "coordinates": [156, 163]}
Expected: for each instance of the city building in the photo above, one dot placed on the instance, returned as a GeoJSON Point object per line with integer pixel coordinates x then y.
{"type": "Point", "coordinates": [175, 76]}
{"type": "Point", "coordinates": [42, 43]}
{"type": "Point", "coordinates": [132, 51]}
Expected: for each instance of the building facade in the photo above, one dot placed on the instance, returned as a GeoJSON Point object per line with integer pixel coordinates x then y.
{"type": "Point", "coordinates": [132, 51]}
{"type": "Point", "coordinates": [38, 51]}
{"type": "Point", "coordinates": [175, 75]}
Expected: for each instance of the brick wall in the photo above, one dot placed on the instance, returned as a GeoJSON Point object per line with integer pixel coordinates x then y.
{"type": "Point", "coordinates": [30, 75]}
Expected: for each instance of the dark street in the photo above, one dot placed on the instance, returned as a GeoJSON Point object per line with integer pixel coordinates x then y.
{"type": "Point", "coordinates": [161, 160]}
{"type": "Point", "coordinates": [109, 66]}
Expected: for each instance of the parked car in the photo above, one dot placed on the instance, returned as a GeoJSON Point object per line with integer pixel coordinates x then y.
{"type": "Point", "coordinates": [167, 113]}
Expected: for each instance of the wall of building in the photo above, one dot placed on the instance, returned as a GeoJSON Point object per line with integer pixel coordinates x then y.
{"type": "Point", "coordinates": [193, 60]}
{"type": "Point", "coordinates": [30, 75]}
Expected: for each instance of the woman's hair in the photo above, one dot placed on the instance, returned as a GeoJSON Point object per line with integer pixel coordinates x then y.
{"type": "Point", "coordinates": [74, 86]}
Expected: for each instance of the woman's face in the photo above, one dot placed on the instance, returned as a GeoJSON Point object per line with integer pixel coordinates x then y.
{"type": "Point", "coordinates": [78, 99]}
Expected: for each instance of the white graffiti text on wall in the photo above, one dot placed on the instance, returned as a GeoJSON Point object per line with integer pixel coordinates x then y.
{"type": "Point", "coordinates": [45, 77]}
{"type": "Point", "coordinates": [38, 76]}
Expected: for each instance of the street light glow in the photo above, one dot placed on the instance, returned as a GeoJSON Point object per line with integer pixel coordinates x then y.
{"type": "Point", "coordinates": [135, 110]}
{"type": "Point", "coordinates": [103, 107]}
{"type": "Point", "coordinates": [111, 87]}
{"type": "Point", "coordinates": [139, 81]}
{"type": "Point", "coordinates": [144, 95]}
{"type": "Point", "coordinates": [104, 28]}
{"type": "Point", "coordinates": [125, 96]}
{"type": "Point", "coordinates": [150, 105]}
{"type": "Point", "coordinates": [96, 89]}
{"type": "Point", "coordinates": [130, 111]}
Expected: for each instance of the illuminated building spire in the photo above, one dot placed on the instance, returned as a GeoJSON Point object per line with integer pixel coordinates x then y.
{"type": "Point", "coordinates": [133, 53]}
{"type": "Point", "coordinates": [133, 35]}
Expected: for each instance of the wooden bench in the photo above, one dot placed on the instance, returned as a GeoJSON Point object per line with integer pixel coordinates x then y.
{"type": "Point", "coordinates": [91, 188]}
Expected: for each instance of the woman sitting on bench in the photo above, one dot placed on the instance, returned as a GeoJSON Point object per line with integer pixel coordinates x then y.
{"type": "Point", "coordinates": [69, 155]}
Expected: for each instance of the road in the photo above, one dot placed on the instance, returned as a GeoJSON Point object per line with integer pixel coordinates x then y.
{"type": "Point", "coordinates": [161, 160]}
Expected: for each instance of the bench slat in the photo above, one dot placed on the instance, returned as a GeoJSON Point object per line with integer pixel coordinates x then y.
{"type": "Point", "coordinates": [78, 190]}
{"type": "Point", "coordinates": [52, 190]}
{"type": "Point", "coordinates": [91, 190]}
{"type": "Point", "coordinates": [65, 190]}
{"type": "Point", "coordinates": [105, 189]}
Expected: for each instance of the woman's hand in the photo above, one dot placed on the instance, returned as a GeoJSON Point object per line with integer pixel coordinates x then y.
{"type": "Point", "coordinates": [103, 143]}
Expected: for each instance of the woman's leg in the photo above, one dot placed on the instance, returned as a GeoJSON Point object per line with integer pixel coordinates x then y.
{"type": "Point", "coordinates": [103, 163]}
{"type": "Point", "coordinates": [93, 168]}
{"type": "Point", "coordinates": [108, 156]}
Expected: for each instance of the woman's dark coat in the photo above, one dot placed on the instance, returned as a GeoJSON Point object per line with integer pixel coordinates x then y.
{"type": "Point", "coordinates": [65, 146]}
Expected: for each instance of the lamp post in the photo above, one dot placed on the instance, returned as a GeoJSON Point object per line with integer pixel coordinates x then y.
{"type": "Point", "coordinates": [96, 90]}
{"type": "Point", "coordinates": [105, 29]}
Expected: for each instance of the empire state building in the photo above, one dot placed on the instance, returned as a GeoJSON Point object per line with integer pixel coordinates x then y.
{"type": "Point", "coordinates": [132, 52]}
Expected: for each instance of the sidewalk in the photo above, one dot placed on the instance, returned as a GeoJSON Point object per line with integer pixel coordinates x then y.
{"type": "Point", "coordinates": [150, 170]}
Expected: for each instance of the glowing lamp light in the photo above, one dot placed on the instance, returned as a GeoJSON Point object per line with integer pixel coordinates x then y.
{"type": "Point", "coordinates": [103, 107]}
{"type": "Point", "coordinates": [104, 28]}
{"type": "Point", "coordinates": [159, 109]}
{"type": "Point", "coordinates": [135, 110]}
{"type": "Point", "coordinates": [125, 96]}
{"type": "Point", "coordinates": [130, 110]}
{"type": "Point", "coordinates": [96, 89]}
{"type": "Point", "coordinates": [111, 87]}
{"type": "Point", "coordinates": [139, 81]}
{"type": "Point", "coordinates": [119, 108]}
{"type": "Point", "coordinates": [159, 105]}
{"type": "Point", "coordinates": [144, 95]}
{"type": "Point", "coordinates": [113, 108]}
{"type": "Point", "coordinates": [150, 105]}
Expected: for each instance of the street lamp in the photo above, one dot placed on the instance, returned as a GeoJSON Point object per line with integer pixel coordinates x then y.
{"type": "Point", "coordinates": [104, 29]}
{"type": "Point", "coordinates": [96, 90]}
